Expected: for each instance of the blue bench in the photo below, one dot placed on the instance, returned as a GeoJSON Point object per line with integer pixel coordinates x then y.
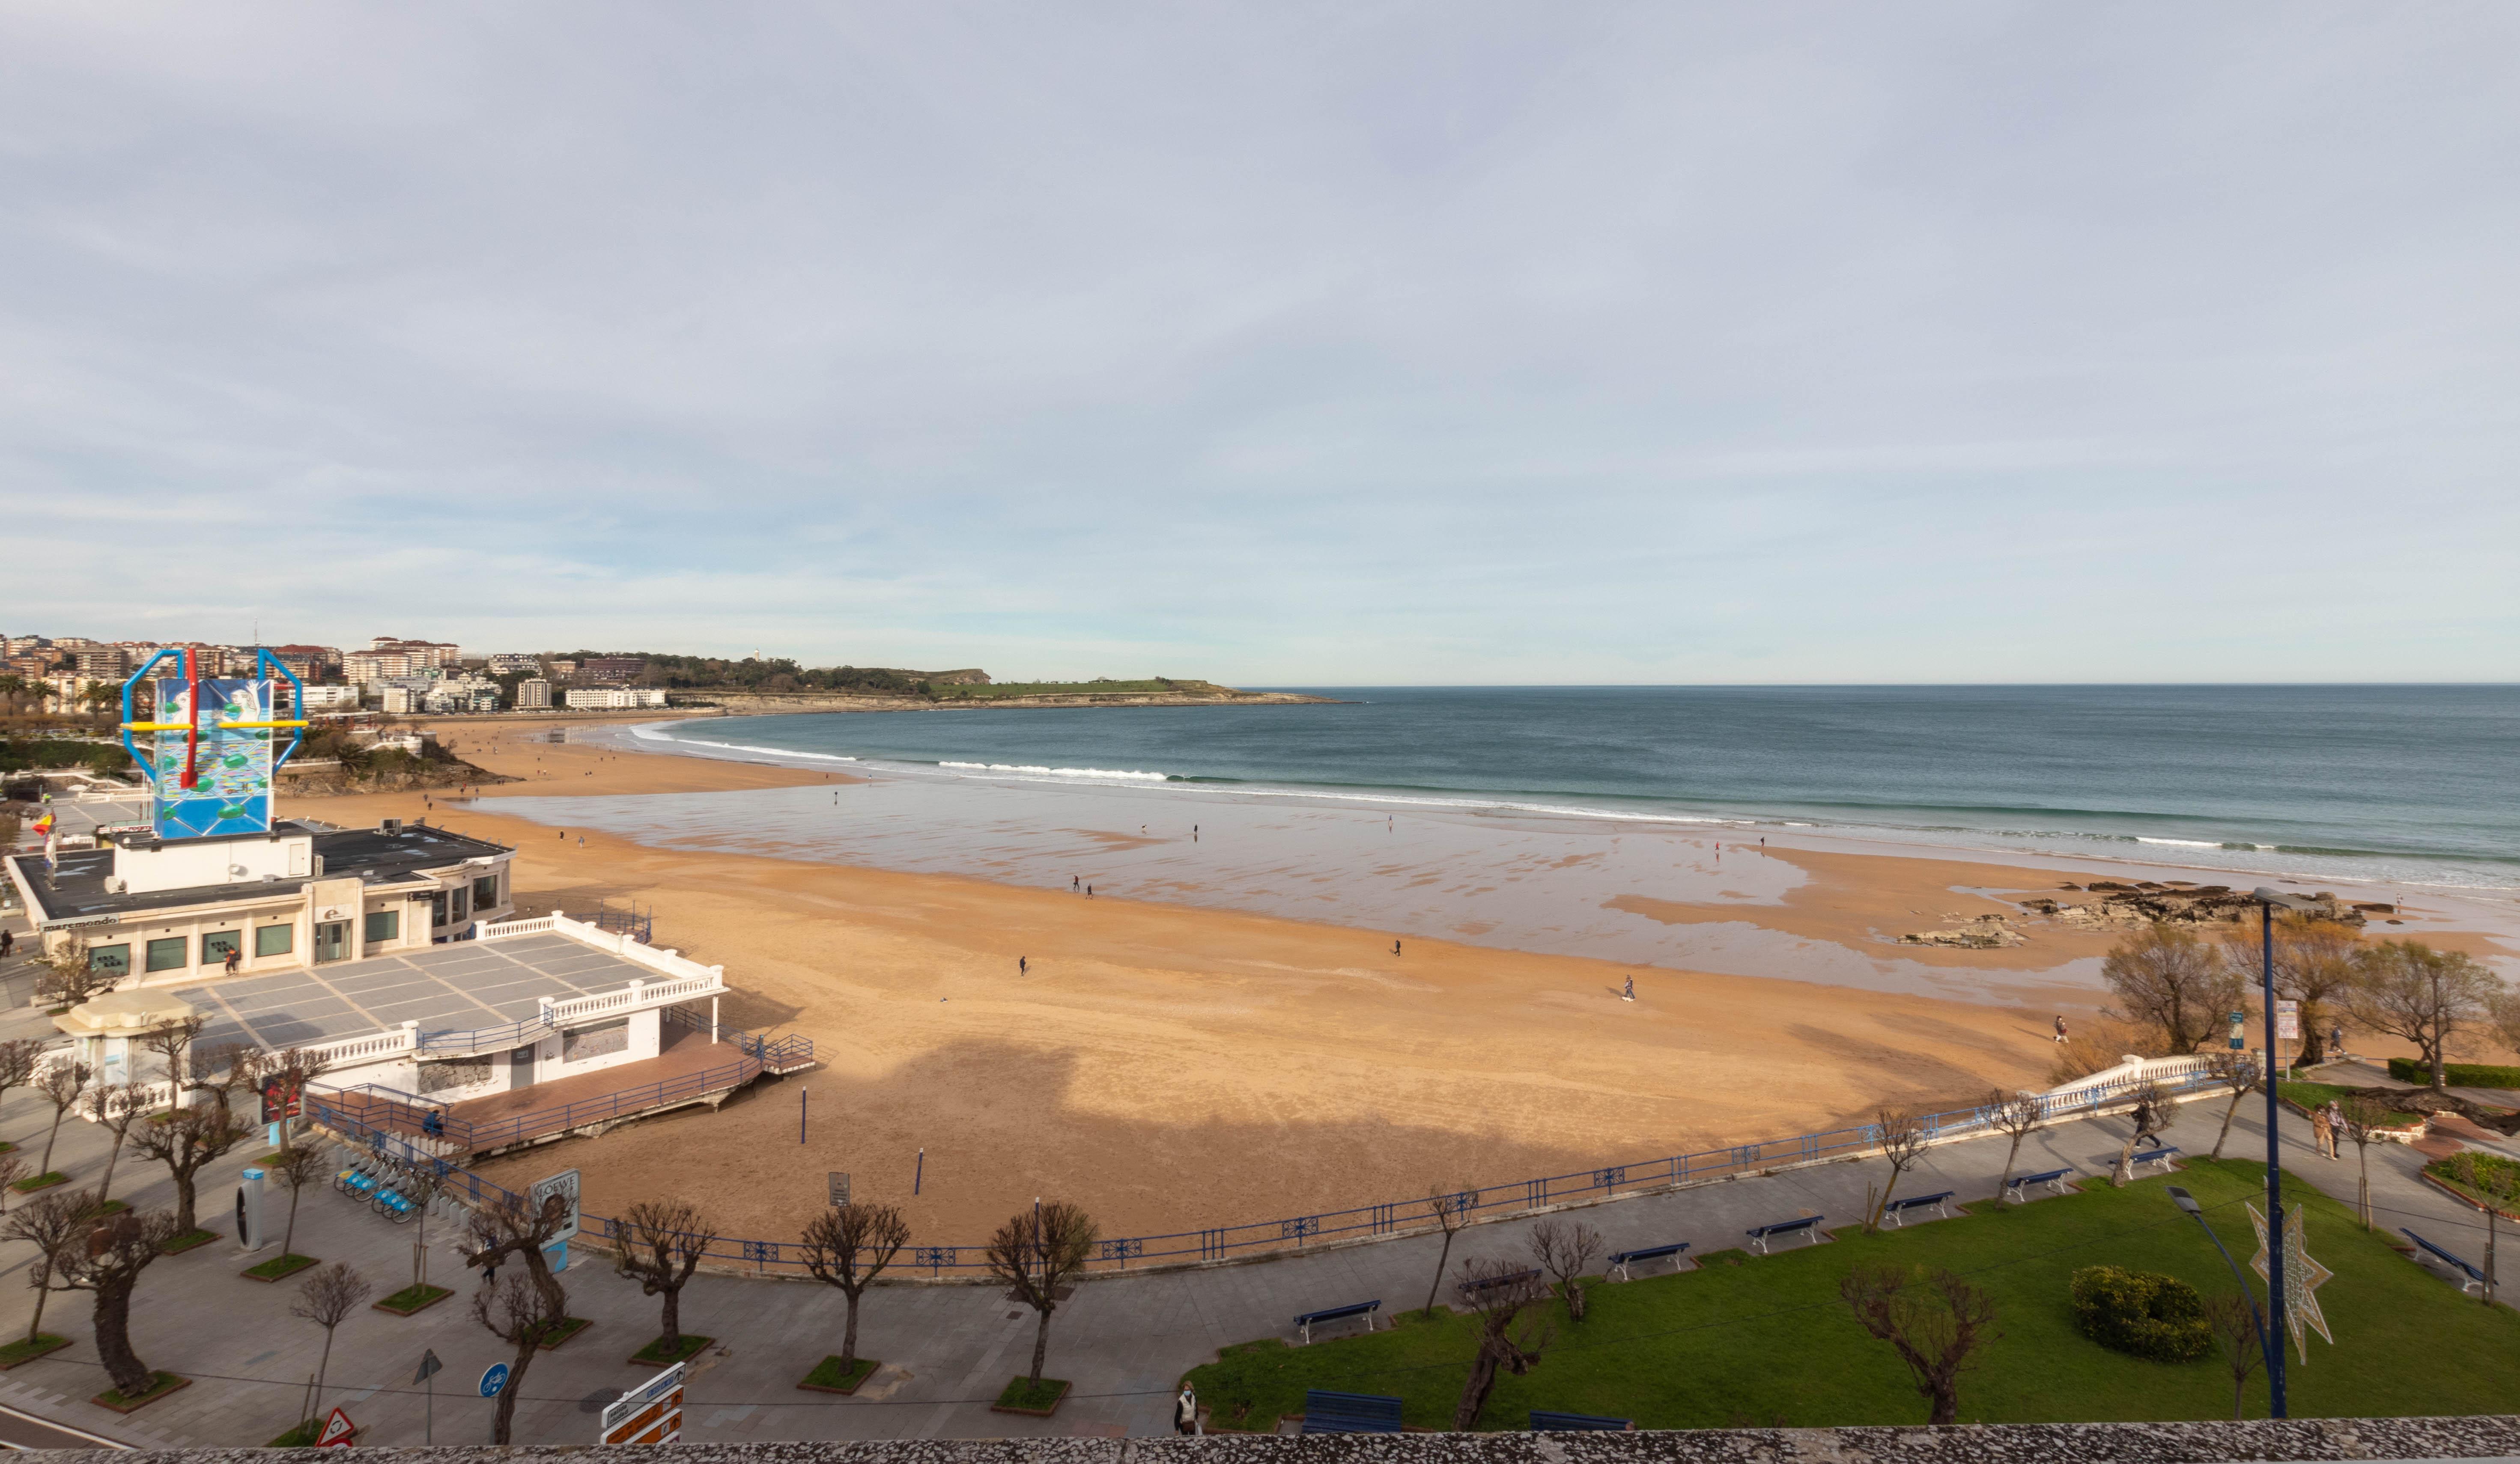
{"type": "Point", "coordinates": [2475, 1279]}
{"type": "Point", "coordinates": [2160, 1156]}
{"type": "Point", "coordinates": [1760, 1235]}
{"type": "Point", "coordinates": [2018, 1188]}
{"type": "Point", "coordinates": [1897, 1211]}
{"type": "Point", "coordinates": [1350, 1412]}
{"type": "Point", "coordinates": [1305, 1324]}
{"type": "Point", "coordinates": [1622, 1260]}
{"type": "Point", "coordinates": [1510, 1278]}
{"type": "Point", "coordinates": [1575, 1422]}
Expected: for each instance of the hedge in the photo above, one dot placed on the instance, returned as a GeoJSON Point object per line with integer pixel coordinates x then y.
{"type": "Point", "coordinates": [2143, 1314]}
{"type": "Point", "coordinates": [2457, 1073]}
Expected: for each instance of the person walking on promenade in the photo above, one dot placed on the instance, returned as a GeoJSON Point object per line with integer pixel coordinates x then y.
{"type": "Point", "coordinates": [1186, 1411]}
{"type": "Point", "coordinates": [2323, 1133]}
{"type": "Point", "coordinates": [8, 943]}
{"type": "Point", "coordinates": [2335, 1129]}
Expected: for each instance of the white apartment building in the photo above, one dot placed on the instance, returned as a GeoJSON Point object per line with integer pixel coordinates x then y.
{"type": "Point", "coordinates": [533, 695]}
{"type": "Point", "coordinates": [509, 662]}
{"type": "Point", "coordinates": [614, 698]}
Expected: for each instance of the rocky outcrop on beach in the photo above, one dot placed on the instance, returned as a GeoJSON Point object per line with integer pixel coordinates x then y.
{"type": "Point", "coordinates": [2124, 905]}
{"type": "Point", "coordinates": [1974, 933]}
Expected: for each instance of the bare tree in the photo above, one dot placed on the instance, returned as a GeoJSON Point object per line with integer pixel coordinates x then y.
{"type": "Point", "coordinates": [2502, 1009]}
{"type": "Point", "coordinates": [2152, 1114]}
{"type": "Point", "coordinates": [13, 1167]}
{"type": "Point", "coordinates": [2405, 988]}
{"type": "Point", "coordinates": [2239, 1072]}
{"type": "Point", "coordinates": [1037, 1252]}
{"type": "Point", "coordinates": [18, 1063]}
{"type": "Point", "coordinates": [60, 1084]}
{"type": "Point", "coordinates": [293, 1068]}
{"type": "Point", "coordinates": [1935, 1321]}
{"type": "Point", "coordinates": [1565, 1250]}
{"type": "Point", "coordinates": [171, 1043]}
{"type": "Point", "coordinates": [510, 1227]}
{"type": "Point", "coordinates": [1451, 1206]}
{"type": "Point", "coordinates": [114, 1107]}
{"type": "Point", "coordinates": [2234, 1320]}
{"type": "Point", "coordinates": [848, 1247]}
{"type": "Point", "coordinates": [521, 1312]}
{"type": "Point", "coordinates": [1512, 1332]}
{"type": "Point", "coordinates": [659, 1243]}
{"type": "Point", "coordinates": [2172, 983]}
{"type": "Point", "coordinates": [184, 1141]}
{"type": "Point", "coordinates": [2314, 962]}
{"type": "Point", "coordinates": [2495, 1189]}
{"type": "Point", "coordinates": [295, 1170]}
{"type": "Point", "coordinates": [1900, 1136]}
{"type": "Point", "coordinates": [2018, 1114]}
{"type": "Point", "coordinates": [2364, 1118]}
{"type": "Point", "coordinates": [108, 1261]}
{"type": "Point", "coordinates": [70, 976]}
{"type": "Point", "coordinates": [327, 1299]}
{"type": "Point", "coordinates": [48, 1222]}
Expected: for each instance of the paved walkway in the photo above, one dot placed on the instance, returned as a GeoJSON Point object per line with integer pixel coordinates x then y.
{"type": "Point", "coordinates": [1125, 1341]}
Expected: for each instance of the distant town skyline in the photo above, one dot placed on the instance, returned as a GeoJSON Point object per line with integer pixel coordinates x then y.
{"type": "Point", "coordinates": [1277, 345]}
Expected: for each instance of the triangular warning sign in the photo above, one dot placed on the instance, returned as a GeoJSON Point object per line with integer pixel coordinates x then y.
{"type": "Point", "coordinates": [337, 1430]}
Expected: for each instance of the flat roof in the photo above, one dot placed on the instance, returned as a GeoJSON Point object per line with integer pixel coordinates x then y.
{"type": "Point", "coordinates": [461, 986]}
{"type": "Point", "coordinates": [76, 888]}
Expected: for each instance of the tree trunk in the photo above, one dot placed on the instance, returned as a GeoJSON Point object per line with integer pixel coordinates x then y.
{"type": "Point", "coordinates": [849, 1335]}
{"type": "Point", "coordinates": [46, 1167]}
{"type": "Point", "coordinates": [114, 1336]}
{"type": "Point", "coordinates": [2228, 1114]}
{"type": "Point", "coordinates": [184, 1223]}
{"type": "Point", "coordinates": [2364, 1152]}
{"type": "Point", "coordinates": [1574, 1300]}
{"type": "Point", "coordinates": [673, 1320]}
{"type": "Point", "coordinates": [1040, 1345]}
{"type": "Point", "coordinates": [320, 1368]}
{"type": "Point", "coordinates": [43, 1293]}
{"type": "Point", "coordinates": [2493, 1234]}
{"type": "Point", "coordinates": [504, 1422]}
{"type": "Point", "coordinates": [1944, 1393]}
{"type": "Point", "coordinates": [288, 1238]}
{"type": "Point", "coordinates": [2009, 1156]}
{"type": "Point", "coordinates": [1442, 1261]}
{"type": "Point", "coordinates": [107, 1184]}
{"type": "Point", "coordinates": [1883, 1208]}
{"type": "Point", "coordinates": [1475, 1391]}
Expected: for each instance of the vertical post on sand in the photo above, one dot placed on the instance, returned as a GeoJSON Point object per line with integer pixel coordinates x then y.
{"type": "Point", "coordinates": [920, 1173]}
{"type": "Point", "coordinates": [801, 1093]}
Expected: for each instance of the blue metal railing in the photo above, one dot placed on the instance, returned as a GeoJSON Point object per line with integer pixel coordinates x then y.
{"type": "Point", "coordinates": [1218, 1243]}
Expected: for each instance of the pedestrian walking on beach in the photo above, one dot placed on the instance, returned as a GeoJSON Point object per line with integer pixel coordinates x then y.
{"type": "Point", "coordinates": [2335, 1035]}
{"type": "Point", "coordinates": [1075, 882]}
{"type": "Point", "coordinates": [1395, 948]}
{"type": "Point", "coordinates": [1089, 892]}
{"type": "Point", "coordinates": [581, 841]}
{"type": "Point", "coordinates": [1630, 995]}
{"type": "Point", "coordinates": [1186, 1411]}
{"type": "Point", "coordinates": [2323, 1133]}
{"type": "Point", "coordinates": [1023, 965]}
{"type": "Point", "coordinates": [2061, 1029]}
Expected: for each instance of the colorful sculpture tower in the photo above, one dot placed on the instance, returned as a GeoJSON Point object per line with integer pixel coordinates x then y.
{"type": "Point", "coordinates": [210, 755]}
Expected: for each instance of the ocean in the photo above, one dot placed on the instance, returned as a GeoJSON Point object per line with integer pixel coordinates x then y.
{"type": "Point", "coordinates": [2372, 784]}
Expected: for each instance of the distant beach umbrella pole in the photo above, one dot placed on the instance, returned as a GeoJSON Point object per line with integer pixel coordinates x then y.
{"type": "Point", "coordinates": [920, 1174]}
{"type": "Point", "coordinates": [802, 1095]}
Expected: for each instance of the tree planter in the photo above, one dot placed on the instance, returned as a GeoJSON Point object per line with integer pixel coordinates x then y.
{"type": "Point", "coordinates": [40, 1181]}
{"type": "Point", "coordinates": [1021, 1397]}
{"type": "Point", "coordinates": [189, 1240]}
{"type": "Point", "coordinates": [412, 1300]}
{"type": "Point", "coordinates": [654, 1355]}
{"type": "Point", "coordinates": [276, 1269]}
{"type": "Point", "coordinates": [829, 1376]}
{"type": "Point", "coordinates": [569, 1326]}
{"type": "Point", "coordinates": [23, 1351]}
{"type": "Point", "coordinates": [161, 1384]}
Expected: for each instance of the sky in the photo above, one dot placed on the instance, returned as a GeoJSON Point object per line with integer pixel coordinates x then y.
{"type": "Point", "coordinates": [1283, 344]}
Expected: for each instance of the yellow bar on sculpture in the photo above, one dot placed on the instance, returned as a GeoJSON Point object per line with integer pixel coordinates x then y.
{"type": "Point", "coordinates": [225, 725]}
{"type": "Point", "coordinates": [156, 727]}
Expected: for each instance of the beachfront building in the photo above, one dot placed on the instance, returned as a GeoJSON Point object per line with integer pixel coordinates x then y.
{"type": "Point", "coordinates": [151, 912]}
{"type": "Point", "coordinates": [321, 699]}
{"type": "Point", "coordinates": [464, 694]}
{"type": "Point", "coordinates": [533, 695]}
{"type": "Point", "coordinates": [510, 663]}
{"type": "Point", "coordinates": [530, 1002]}
{"type": "Point", "coordinates": [614, 698]}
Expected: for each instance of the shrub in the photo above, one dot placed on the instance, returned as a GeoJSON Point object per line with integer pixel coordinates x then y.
{"type": "Point", "coordinates": [2142, 1314]}
{"type": "Point", "coordinates": [2455, 1074]}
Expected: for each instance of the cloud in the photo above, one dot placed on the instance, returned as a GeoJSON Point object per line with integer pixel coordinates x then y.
{"type": "Point", "coordinates": [1281, 344]}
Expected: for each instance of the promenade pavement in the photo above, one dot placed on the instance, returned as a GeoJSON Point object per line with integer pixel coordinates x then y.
{"type": "Point", "coordinates": [1123, 1339]}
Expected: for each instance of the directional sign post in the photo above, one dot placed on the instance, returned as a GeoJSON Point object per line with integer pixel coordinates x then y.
{"type": "Point", "coordinates": [493, 1379]}
{"type": "Point", "coordinates": [649, 1413]}
{"type": "Point", "coordinates": [428, 1369]}
{"type": "Point", "coordinates": [337, 1430]}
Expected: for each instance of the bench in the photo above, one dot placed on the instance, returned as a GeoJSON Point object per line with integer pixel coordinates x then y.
{"type": "Point", "coordinates": [1760, 1235]}
{"type": "Point", "coordinates": [2475, 1279]}
{"type": "Point", "coordinates": [2018, 1188]}
{"type": "Point", "coordinates": [1305, 1324]}
{"type": "Point", "coordinates": [1350, 1412]}
{"type": "Point", "coordinates": [2160, 1156]}
{"type": "Point", "coordinates": [1622, 1260]}
{"type": "Point", "coordinates": [1572, 1422]}
{"type": "Point", "coordinates": [1509, 1278]}
{"type": "Point", "coordinates": [1896, 1211]}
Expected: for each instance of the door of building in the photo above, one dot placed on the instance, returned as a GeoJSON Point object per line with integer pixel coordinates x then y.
{"type": "Point", "coordinates": [520, 1067]}
{"type": "Point", "coordinates": [331, 939]}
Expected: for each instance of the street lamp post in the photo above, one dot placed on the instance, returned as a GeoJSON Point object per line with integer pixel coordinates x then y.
{"type": "Point", "coordinates": [2266, 1349]}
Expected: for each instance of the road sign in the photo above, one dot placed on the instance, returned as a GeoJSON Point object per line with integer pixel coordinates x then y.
{"type": "Point", "coordinates": [337, 1430]}
{"type": "Point", "coordinates": [429, 1367]}
{"type": "Point", "coordinates": [649, 1413]}
{"type": "Point", "coordinates": [564, 1183]}
{"type": "Point", "coordinates": [2288, 1021]}
{"type": "Point", "coordinates": [493, 1379]}
{"type": "Point", "coordinates": [839, 1188]}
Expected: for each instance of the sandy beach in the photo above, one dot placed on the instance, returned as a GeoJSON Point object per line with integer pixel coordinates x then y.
{"type": "Point", "coordinates": [1172, 1066]}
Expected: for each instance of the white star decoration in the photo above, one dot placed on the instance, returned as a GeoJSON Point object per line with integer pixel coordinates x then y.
{"type": "Point", "coordinates": [2303, 1277]}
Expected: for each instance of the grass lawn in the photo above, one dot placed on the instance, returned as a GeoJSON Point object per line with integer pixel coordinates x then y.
{"type": "Point", "coordinates": [44, 1180]}
{"type": "Point", "coordinates": [299, 1435]}
{"type": "Point", "coordinates": [654, 1355]}
{"type": "Point", "coordinates": [160, 1384]}
{"type": "Point", "coordinates": [413, 1299]}
{"type": "Point", "coordinates": [569, 1326]}
{"type": "Point", "coordinates": [189, 1240]}
{"type": "Point", "coordinates": [24, 1350]}
{"type": "Point", "coordinates": [1760, 1338]}
{"type": "Point", "coordinates": [829, 1376]}
{"type": "Point", "coordinates": [1025, 1395]}
{"type": "Point", "coordinates": [278, 1267]}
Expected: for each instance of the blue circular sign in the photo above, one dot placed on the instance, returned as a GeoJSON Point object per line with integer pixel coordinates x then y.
{"type": "Point", "coordinates": [494, 1379]}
